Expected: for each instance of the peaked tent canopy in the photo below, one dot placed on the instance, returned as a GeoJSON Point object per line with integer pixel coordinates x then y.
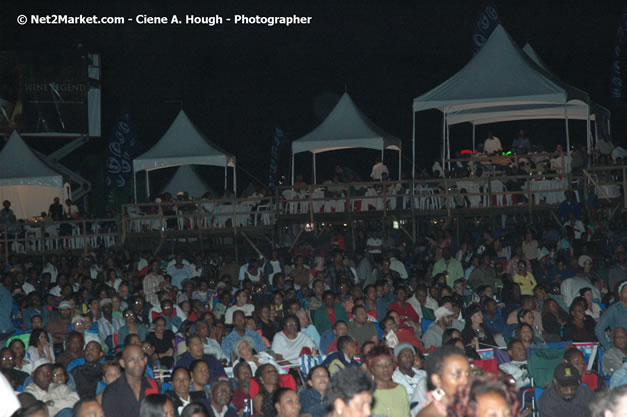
{"type": "Point", "coordinates": [346, 127]}
{"type": "Point", "coordinates": [25, 180]}
{"type": "Point", "coordinates": [183, 144]}
{"type": "Point", "coordinates": [500, 74]}
{"type": "Point", "coordinates": [186, 179]}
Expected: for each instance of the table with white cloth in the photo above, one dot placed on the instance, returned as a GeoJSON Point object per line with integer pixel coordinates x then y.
{"type": "Point", "coordinates": [539, 190]}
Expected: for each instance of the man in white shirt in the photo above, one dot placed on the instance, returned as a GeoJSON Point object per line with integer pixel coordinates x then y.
{"type": "Point", "coordinates": [405, 374]}
{"type": "Point", "coordinates": [374, 243]}
{"type": "Point", "coordinates": [492, 144]}
{"type": "Point", "coordinates": [56, 396]}
{"type": "Point", "coordinates": [51, 269]}
{"type": "Point", "coordinates": [378, 169]}
{"type": "Point", "coordinates": [517, 368]}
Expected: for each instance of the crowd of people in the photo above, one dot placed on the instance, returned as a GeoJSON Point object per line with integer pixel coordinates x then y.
{"type": "Point", "coordinates": [472, 326]}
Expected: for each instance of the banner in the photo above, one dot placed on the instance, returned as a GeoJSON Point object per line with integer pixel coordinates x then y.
{"type": "Point", "coordinates": [487, 21]}
{"type": "Point", "coordinates": [44, 94]}
{"type": "Point", "coordinates": [122, 146]}
{"type": "Point", "coordinates": [616, 78]}
{"type": "Point", "coordinates": [278, 144]}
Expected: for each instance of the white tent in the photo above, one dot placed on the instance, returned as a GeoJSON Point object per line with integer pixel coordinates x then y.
{"type": "Point", "coordinates": [575, 109]}
{"type": "Point", "coordinates": [346, 127]}
{"type": "Point", "coordinates": [27, 182]}
{"type": "Point", "coordinates": [182, 144]}
{"type": "Point", "coordinates": [186, 179]}
{"type": "Point", "coordinates": [500, 74]}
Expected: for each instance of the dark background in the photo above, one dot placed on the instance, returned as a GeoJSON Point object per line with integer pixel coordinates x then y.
{"type": "Point", "coordinates": [237, 82]}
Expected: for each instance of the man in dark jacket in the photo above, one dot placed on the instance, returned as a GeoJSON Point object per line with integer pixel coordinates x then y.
{"type": "Point", "coordinates": [194, 352]}
{"type": "Point", "coordinates": [88, 375]}
{"type": "Point", "coordinates": [567, 396]}
{"type": "Point", "coordinates": [344, 357]}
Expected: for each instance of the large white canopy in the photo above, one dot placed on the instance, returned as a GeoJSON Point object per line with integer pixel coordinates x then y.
{"type": "Point", "coordinates": [346, 127]}
{"type": "Point", "coordinates": [186, 179]}
{"type": "Point", "coordinates": [183, 144]}
{"type": "Point", "coordinates": [501, 73]}
{"type": "Point", "coordinates": [25, 180]}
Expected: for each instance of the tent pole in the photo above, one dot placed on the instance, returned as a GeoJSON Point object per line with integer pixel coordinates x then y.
{"type": "Point", "coordinates": [226, 174]}
{"type": "Point", "coordinates": [567, 138]}
{"type": "Point", "coordinates": [588, 133]}
{"type": "Point", "coordinates": [147, 186]}
{"type": "Point", "coordinates": [235, 178]}
{"type": "Point", "coordinates": [443, 138]}
{"type": "Point", "coordinates": [399, 165]}
{"type": "Point", "coordinates": [314, 169]}
{"type": "Point", "coordinates": [596, 130]}
{"type": "Point", "coordinates": [413, 145]}
{"type": "Point", "coordinates": [473, 137]}
{"type": "Point", "coordinates": [292, 167]}
{"type": "Point", "coordinates": [448, 145]}
{"type": "Point", "coordinates": [135, 186]}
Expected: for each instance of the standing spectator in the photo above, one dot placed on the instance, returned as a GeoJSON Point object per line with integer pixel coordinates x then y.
{"type": "Point", "coordinates": [55, 211]}
{"type": "Point", "coordinates": [378, 169]}
{"type": "Point", "coordinates": [123, 397]}
{"type": "Point", "coordinates": [492, 144]}
{"type": "Point", "coordinates": [521, 144]}
{"type": "Point", "coordinates": [153, 283]}
{"type": "Point", "coordinates": [615, 316]}
{"type": "Point", "coordinates": [6, 214]}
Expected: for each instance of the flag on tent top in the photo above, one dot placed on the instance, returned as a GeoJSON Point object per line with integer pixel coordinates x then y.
{"type": "Point", "coordinates": [278, 143]}
{"type": "Point", "coordinates": [487, 21]}
{"type": "Point", "coordinates": [616, 77]}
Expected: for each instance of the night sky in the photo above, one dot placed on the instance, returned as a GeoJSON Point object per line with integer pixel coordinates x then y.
{"type": "Point", "coordinates": [237, 82]}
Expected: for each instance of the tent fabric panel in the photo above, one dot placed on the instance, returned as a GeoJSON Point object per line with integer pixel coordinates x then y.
{"type": "Point", "coordinates": [499, 72]}
{"type": "Point", "coordinates": [186, 179]}
{"type": "Point", "coordinates": [158, 163]}
{"type": "Point", "coordinates": [52, 181]}
{"type": "Point", "coordinates": [18, 161]}
{"type": "Point", "coordinates": [29, 200]}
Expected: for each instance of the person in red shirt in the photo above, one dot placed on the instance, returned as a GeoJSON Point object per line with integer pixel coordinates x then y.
{"type": "Point", "coordinates": [405, 311]}
{"type": "Point", "coordinates": [393, 334]}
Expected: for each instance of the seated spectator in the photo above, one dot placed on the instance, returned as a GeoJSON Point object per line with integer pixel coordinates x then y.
{"type": "Point", "coordinates": [615, 316]}
{"type": "Point", "coordinates": [241, 304]}
{"type": "Point", "coordinates": [87, 408]}
{"type": "Point", "coordinates": [56, 396]}
{"type": "Point", "coordinates": [485, 395]}
{"type": "Point", "coordinates": [328, 340]}
{"type": "Point", "coordinates": [553, 320]}
{"type": "Point", "coordinates": [39, 346]}
{"type": "Point", "coordinates": [406, 312]}
{"type": "Point", "coordinates": [591, 378]}
{"type": "Point", "coordinates": [291, 343]}
{"type": "Point", "coordinates": [329, 313]}
{"type": "Point", "coordinates": [87, 376]}
{"type": "Point", "coordinates": [492, 318]}
{"type": "Point", "coordinates": [244, 350]}
{"type": "Point", "coordinates": [313, 399]}
{"type": "Point", "coordinates": [111, 371]}
{"type": "Point", "coordinates": [108, 325]}
{"type": "Point", "coordinates": [131, 326]}
{"type": "Point", "coordinates": [73, 348]}
{"type": "Point", "coordinates": [393, 334]}
{"type": "Point", "coordinates": [200, 376]}
{"type": "Point", "coordinates": [210, 346]}
{"type": "Point", "coordinates": [242, 375]}
{"type": "Point", "coordinates": [567, 396]}
{"type": "Point", "coordinates": [613, 358]}
{"type": "Point", "coordinates": [268, 380]}
{"type": "Point", "coordinates": [239, 331]}
{"type": "Point", "coordinates": [307, 327]}
{"type": "Point", "coordinates": [7, 365]}
{"type": "Point", "coordinates": [220, 400]}
{"type": "Point", "coordinates": [406, 374]}
{"type": "Point", "coordinates": [433, 336]}
{"type": "Point", "coordinates": [163, 341]}
{"type": "Point", "coordinates": [360, 328]}
{"type": "Point", "coordinates": [195, 352]}
{"type": "Point", "coordinates": [267, 322]}
{"type": "Point", "coordinates": [517, 367]}
{"type": "Point", "coordinates": [82, 324]}
{"type": "Point", "coordinates": [580, 327]}
{"type": "Point", "coordinates": [345, 356]}
{"type": "Point", "coordinates": [475, 333]}
{"type": "Point", "coordinates": [390, 397]}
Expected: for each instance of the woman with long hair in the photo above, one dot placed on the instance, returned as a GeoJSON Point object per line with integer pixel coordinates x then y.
{"type": "Point", "coordinates": [553, 319]}
{"type": "Point", "coordinates": [485, 396]}
{"type": "Point", "coordinates": [313, 399]}
{"type": "Point", "coordinates": [475, 334]}
{"type": "Point", "coordinates": [268, 379]}
{"type": "Point", "coordinates": [39, 346]}
{"type": "Point", "coordinates": [390, 397]}
{"type": "Point", "coordinates": [447, 368]}
{"type": "Point", "coordinates": [349, 393]}
{"type": "Point", "coordinates": [156, 405]}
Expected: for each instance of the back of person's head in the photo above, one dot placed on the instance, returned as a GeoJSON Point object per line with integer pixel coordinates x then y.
{"type": "Point", "coordinates": [343, 342]}
{"type": "Point", "coordinates": [346, 383]}
{"type": "Point", "coordinates": [194, 410]}
{"type": "Point", "coordinates": [33, 408]}
{"type": "Point", "coordinates": [153, 406]}
{"type": "Point", "coordinates": [608, 401]}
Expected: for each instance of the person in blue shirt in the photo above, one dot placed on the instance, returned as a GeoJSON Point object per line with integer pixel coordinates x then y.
{"type": "Point", "coordinates": [6, 305]}
{"type": "Point", "coordinates": [615, 316]}
{"type": "Point", "coordinates": [35, 308]}
{"type": "Point", "coordinates": [179, 272]}
{"type": "Point", "coordinates": [569, 205]}
{"type": "Point", "coordinates": [492, 318]}
{"type": "Point", "coordinates": [521, 144]}
{"type": "Point", "coordinates": [239, 331]}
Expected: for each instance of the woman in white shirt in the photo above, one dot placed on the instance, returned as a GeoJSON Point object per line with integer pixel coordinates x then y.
{"type": "Point", "coordinates": [290, 342]}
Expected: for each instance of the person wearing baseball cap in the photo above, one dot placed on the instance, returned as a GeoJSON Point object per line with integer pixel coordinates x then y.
{"type": "Point", "coordinates": [433, 335]}
{"type": "Point", "coordinates": [567, 396]}
{"type": "Point", "coordinates": [56, 396]}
